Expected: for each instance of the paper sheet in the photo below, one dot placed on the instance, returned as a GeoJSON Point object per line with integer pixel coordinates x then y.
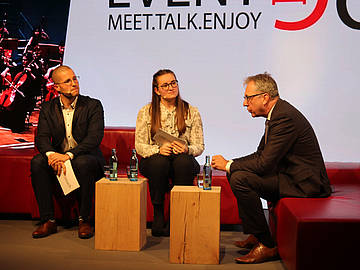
{"type": "Point", "coordinates": [68, 182]}
{"type": "Point", "coordinates": [162, 137]}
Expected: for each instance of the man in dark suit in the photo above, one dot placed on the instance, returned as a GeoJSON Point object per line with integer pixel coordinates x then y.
{"type": "Point", "coordinates": [70, 127]}
{"type": "Point", "coordinates": [287, 163]}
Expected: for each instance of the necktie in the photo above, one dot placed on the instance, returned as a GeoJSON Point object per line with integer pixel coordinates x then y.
{"type": "Point", "coordinates": [266, 129]}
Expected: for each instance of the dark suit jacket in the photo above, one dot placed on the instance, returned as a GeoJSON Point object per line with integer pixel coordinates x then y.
{"type": "Point", "coordinates": [87, 127]}
{"type": "Point", "coordinates": [292, 152]}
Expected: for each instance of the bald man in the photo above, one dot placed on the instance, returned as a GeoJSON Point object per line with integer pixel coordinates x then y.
{"type": "Point", "coordinates": [70, 127]}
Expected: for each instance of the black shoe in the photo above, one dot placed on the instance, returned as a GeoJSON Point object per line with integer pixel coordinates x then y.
{"type": "Point", "coordinates": [157, 227]}
{"type": "Point", "coordinates": [156, 233]}
{"type": "Point", "coordinates": [166, 230]}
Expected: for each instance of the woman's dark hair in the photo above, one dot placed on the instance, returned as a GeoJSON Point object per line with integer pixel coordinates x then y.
{"type": "Point", "coordinates": [182, 107]}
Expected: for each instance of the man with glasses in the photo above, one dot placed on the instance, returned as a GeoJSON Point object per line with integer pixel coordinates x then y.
{"type": "Point", "coordinates": [70, 127]}
{"type": "Point", "coordinates": [288, 163]}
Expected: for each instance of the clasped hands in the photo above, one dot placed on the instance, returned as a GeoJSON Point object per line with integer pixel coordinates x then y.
{"type": "Point", "coordinates": [175, 147]}
{"type": "Point", "coordinates": [56, 161]}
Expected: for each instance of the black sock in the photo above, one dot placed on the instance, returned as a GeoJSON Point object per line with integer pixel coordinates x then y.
{"type": "Point", "coordinates": [265, 239]}
{"type": "Point", "coordinates": [46, 219]}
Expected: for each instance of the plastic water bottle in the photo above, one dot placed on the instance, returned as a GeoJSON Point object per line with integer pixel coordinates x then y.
{"type": "Point", "coordinates": [134, 164]}
{"type": "Point", "coordinates": [207, 174]}
{"type": "Point", "coordinates": [113, 165]}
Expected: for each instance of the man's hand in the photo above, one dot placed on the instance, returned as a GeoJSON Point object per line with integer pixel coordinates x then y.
{"type": "Point", "coordinates": [165, 149]}
{"type": "Point", "coordinates": [179, 148]}
{"type": "Point", "coordinates": [58, 167]}
{"type": "Point", "coordinates": [219, 162]}
{"type": "Point", "coordinates": [56, 161]}
{"type": "Point", "coordinates": [56, 157]}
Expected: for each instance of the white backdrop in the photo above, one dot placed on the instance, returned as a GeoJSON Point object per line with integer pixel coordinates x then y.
{"type": "Point", "coordinates": [316, 68]}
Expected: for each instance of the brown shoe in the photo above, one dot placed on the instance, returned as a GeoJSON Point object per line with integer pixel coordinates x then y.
{"type": "Point", "coordinates": [45, 229]}
{"type": "Point", "coordinates": [85, 231]}
{"type": "Point", "coordinates": [258, 254]}
{"type": "Point", "coordinates": [250, 242]}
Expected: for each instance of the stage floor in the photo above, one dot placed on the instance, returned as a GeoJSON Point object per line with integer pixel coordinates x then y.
{"type": "Point", "coordinates": [23, 139]}
{"type": "Point", "coordinates": [64, 250]}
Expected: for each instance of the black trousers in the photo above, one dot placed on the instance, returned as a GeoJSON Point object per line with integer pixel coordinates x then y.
{"type": "Point", "coordinates": [158, 169]}
{"type": "Point", "coordinates": [248, 188]}
{"type": "Point", "coordinates": [87, 171]}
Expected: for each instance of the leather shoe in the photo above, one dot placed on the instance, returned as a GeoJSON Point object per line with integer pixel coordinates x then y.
{"type": "Point", "coordinates": [157, 228]}
{"type": "Point", "coordinates": [250, 242]}
{"type": "Point", "coordinates": [45, 229]}
{"type": "Point", "coordinates": [166, 231]}
{"type": "Point", "coordinates": [258, 254]}
{"type": "Point", "coordinates": [85, 231]}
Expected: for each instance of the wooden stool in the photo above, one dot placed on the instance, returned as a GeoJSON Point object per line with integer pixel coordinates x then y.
{"type": "Point", "coordinates": [120, 214]}
{"type": "Point", "coordinates": [194, 225]}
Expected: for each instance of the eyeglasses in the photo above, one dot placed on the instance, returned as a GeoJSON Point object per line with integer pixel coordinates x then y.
{"type": "Point", "coordinates": [70, 80]}
{"type": "Point", "coordinates": [248, 98]}
{"type": "Point", "coordinates": [173, 84]}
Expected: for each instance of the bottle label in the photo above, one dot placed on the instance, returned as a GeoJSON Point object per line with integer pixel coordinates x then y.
{"type": "Point", "coordinates": [133, 174]}
{"type": "Point", "coordinates": [207, 177]}
{"type": "Point", "coordinates": [113, 171]}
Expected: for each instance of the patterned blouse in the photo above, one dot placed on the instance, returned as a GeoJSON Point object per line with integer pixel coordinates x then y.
{"type": "Point", "coordinates": [193, 134]}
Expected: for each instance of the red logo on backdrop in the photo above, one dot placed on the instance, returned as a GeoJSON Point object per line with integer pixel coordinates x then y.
{"type": "Point", "coordinates": [305, 23]}
{"type": "Point", "coordinates": [341, 6]}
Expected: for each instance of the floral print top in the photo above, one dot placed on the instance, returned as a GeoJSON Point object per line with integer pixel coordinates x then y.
{"type": "Point", "coordinates": [193, 134]}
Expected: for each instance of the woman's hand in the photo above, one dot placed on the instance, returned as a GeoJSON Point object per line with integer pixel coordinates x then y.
{"type": "Point", "coordinates": [179, 148]}
{"type": "Point", "coordinates": [165, 149]}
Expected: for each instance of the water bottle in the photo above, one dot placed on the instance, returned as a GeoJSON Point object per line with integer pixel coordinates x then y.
{"type": "Point", "coordinates": [113, 165]}
{"type": "Point", "coordinates": [133, 166]}
{"type": "Point", "coordinates": [207, 174]}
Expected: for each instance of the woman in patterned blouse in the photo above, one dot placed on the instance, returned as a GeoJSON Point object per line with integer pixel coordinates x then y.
{"type": "Point", "coordinates": [174, 160]}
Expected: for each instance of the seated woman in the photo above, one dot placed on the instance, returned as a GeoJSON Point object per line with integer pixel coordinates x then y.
{"type": "Point", "coordinates": [175, 160]}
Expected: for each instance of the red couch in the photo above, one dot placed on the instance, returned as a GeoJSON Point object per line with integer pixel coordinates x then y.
{"type": "Point", "coordinates": [15, 185]}
{"type": "Point", "coordinates": [321, 233]}
{"type": "Point", "coordinates": [16, 194]}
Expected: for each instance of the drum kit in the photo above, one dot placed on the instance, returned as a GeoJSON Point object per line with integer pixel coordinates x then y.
{"type": "Point", "coordinates": [26, 83]}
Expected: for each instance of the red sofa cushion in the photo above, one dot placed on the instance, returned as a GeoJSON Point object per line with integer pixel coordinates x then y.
{"type": "Point", "coordinates": [15, 185]}
{"type": "Point", "coordinates": [343, 172]}
{"type": "Point", "coordinates": [120, 138]}
{"type": "Point", "coordinates": [310, 231]}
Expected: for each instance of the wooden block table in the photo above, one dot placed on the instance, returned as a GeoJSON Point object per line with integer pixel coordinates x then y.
{"type": "Point", "coordinates": [194, 225]}
{"type": "Point", "coordinates": [120, 214]}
